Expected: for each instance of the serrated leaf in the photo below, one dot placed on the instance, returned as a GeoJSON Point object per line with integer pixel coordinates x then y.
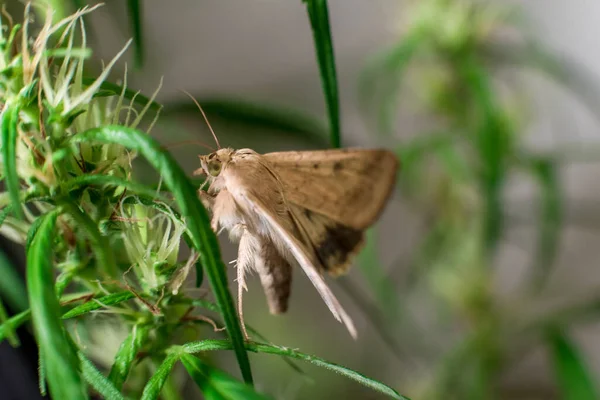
{"type": "Point", "coordinates": [216, 384]}
{"type": "Point", "coordinates": [155, 384]}
{"type": "Point", "coordinates": [96, 304]}
{"type": "Point", "coordinates": [212, 345]}
{"type": "Point", "coordinates": [196, 218]}
{"type": "Point", "coordinates": [98, 381]}
{"type": "Point", "coordinates": [319, 22]}
{"type": "Point", "coordinates": [33, 228]}
{"type": "Point", "coordinates": [573, 376]}
{"type": "Point", "coordinates": [126, 355]}
{"type": "Point", "coordinates": [60, 361]}
{"type": "Point", "coordinates": [10, 135]}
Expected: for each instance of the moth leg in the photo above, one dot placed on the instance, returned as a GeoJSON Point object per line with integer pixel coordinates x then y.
{"type": "Point", "coordinates": [246, 253]}
{"type": "Point", "coordinates": [207, 200]}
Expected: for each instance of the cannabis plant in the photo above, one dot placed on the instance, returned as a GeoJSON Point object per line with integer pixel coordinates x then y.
{"type": "Point", "coordinates": [106, 255]}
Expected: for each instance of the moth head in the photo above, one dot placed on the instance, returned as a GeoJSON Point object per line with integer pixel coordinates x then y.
{"type": "Point", "coordinates": [212, 164]}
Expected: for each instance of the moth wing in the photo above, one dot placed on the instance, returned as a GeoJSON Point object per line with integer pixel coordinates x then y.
{"type": "Point", "coordinates": [333, 243]}
{"type": "Point", "coordinates": [349, 186]}
{"type": "Point", "coordinates": [249, 197]}
{"type": "Point", "coordinates": [300, 254]}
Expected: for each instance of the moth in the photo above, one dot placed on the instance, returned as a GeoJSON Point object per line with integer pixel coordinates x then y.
{"type": "Point", "coordinates": [306, 208]}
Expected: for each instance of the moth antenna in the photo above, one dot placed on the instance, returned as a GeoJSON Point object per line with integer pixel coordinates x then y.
{"type": "Point", "coordinates": [183, 142]}
{"type": "Point", "coordinates": [205, 118]}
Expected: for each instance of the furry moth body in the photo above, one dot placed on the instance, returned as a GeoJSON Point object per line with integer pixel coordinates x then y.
{"type": "Point", "coordinates": [300, 207]}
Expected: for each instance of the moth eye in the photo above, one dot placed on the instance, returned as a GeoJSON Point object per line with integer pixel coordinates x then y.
{"type": "Point", "coordinates": [214, 168]}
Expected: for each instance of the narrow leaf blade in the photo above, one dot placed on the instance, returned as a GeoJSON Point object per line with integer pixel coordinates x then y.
{"type": "Point", "coordinates": [573, 376]}
{"type": "Point", "coordinates": [15, 322]}
{"type": "Point", "coordinates": [216, 384]}
{"type": "Point", "coordinates": [10, 134]}
{"type": "Point", "coordinates": [212, 345]}
{"type": "Point", "coordinates": [98, 381]}
{"type": "Point", "coordinates": [126, 355]}
{"type": "Point", "coordinates": [319, 21]}
{"type": "Point", "coordinates": [60, 361]}
{"type": "Point", "coordinates": [95, 304]}
{"type": "Point", "coordinates": [12, 286]}
{"type": "Point", "coordinates": [155, 384]}
{"type": "Point", "coordinates": [135, 17]}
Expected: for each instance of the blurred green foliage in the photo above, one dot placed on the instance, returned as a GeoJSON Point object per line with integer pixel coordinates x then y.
{"type": "Point", "coordinates": [456, 177]}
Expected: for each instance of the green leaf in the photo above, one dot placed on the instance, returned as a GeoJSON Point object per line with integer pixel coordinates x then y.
{"type": "Point", "coordinates": [60, 361]}
{"type": "Point", "coordinates": [268, 116]}
{"type": "Point", "coordinates": [98, 381]}
{"type": "Point", "coordinates": [212, 345]}
{"type": "Point", "coordinates": [42, 372]}
{"type": "Point", "coordinates": [99, 243]}
{"type": "Point", "coordinates": [135, 11]}
{"type": "Point", "coordinates": [216, 384]}
{"type": "Point", "coordinates": [550, 218]}
{"type": "Point", "coordinates": [4, 213]}
{"type": "Point", "coordinates": [155, 384]}
{"type": "Point", "coordinates": [10, 135]}
{"type": "Point", "coordinates": [12, 286]}
{"type": "Point", "coordinates": [15, 322]}
{"type": "Point", "coordinates": [110, 180]}
{"type": "Point", "coordinates": [9, 329]}
{"type": "Point", "coordinates": [126, 355]}
{"type": "Point", "coordinates": [319, 22]}
{"type": "Point", "coordinates": [574, 378]}
{"type": "Point", "coordinates": [196, 218]}
{"type": "Point", "coordinates": [33, 228]}
{"type": "Point", "coordinates": [95, 304]}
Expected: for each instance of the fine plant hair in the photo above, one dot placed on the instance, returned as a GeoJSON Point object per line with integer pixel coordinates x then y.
{"type": "Point", "coordinates": [111, 300]}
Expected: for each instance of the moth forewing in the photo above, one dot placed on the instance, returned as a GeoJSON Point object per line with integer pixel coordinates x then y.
{"type": "Point", "coordinates": [306, 208]}
{"type": "Point", "coordinates": [350, 186]}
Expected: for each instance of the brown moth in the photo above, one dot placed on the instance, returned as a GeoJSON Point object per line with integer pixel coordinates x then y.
{"type": "Point", "coordinates": [298, 207]}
